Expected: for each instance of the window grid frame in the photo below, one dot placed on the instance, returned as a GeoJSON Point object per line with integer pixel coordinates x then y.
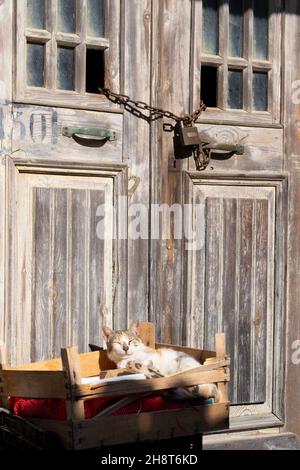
{"type": "Point", "coordinates": [80, 41]}
{"type": "Point", "coordinates": [248, 63]}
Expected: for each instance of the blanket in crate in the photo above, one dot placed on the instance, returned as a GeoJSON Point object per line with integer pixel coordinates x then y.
{"type": "Point", "coordinates": [55, 409]}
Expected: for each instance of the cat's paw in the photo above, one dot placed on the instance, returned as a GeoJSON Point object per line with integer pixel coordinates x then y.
{"type": "Point", "coordinates": [140, 368]}
{"type": "Point", "coordinates": [135, 366]}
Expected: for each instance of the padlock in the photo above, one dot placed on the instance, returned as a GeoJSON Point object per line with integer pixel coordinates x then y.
{"type": "Point", "coordinates": [186, 139]}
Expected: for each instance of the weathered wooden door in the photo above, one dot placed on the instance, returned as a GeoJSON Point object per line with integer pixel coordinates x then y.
{"type": "Point", "coordinates": [64, 265]}
{"type": "Point", "coordinates": [229, 53]}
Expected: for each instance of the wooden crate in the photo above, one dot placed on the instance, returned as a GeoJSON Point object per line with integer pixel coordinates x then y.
{"type": "Point", "coordinates": [61, 378]}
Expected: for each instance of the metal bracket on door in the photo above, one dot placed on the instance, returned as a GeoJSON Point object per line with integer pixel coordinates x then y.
{"type": "Point", "coordinates": [224, 151]}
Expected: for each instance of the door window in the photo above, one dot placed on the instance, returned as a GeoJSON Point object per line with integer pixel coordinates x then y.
{"type": "Point", "coordinates": [237, 59]}
{"type": "Point", "coordinates": [64, 51]}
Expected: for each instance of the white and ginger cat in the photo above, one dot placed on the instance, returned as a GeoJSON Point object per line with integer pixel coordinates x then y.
{"type": "Point", "coordinates": [127, 350]}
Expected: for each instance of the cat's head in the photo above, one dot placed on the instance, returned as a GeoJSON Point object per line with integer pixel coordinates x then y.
{"type": "Point", "coordinates": [123, 343]}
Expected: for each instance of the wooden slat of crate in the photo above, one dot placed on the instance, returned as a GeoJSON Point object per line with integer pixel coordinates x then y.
{"type": "Point", "coordinates": [147, 334]}
{"type": "Point", "coordinates": [106, 431]}
{"type": "Point", "coordinates": [90, 364]}
{"type": "Point", "coordinates": [216, 364]}
{"type": "Point", "coordinates": [33, 384]}
{"type": "Point", "coordinates": [50, 365]}
{"type": "Point", "coordinates": [157, 384]}
{"type": "Point", "coordinates": [199, 354]}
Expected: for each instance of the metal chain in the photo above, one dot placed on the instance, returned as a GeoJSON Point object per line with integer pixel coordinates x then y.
{"type": "Point", "coordinates": [134, 107]}
{"type": "Point", "coordinates": [201, 156]}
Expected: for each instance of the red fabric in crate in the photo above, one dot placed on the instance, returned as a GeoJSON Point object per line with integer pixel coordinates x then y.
{"type": "Point", "coordinates": [56, 409]}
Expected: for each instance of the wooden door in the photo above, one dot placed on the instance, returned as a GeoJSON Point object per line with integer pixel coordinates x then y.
{"type": "Point", "coordinates": [63, 199]}
{"type": "Point", "coordinates": [235, 280]}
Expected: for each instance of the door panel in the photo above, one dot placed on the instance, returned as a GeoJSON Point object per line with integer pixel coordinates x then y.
{"type": "Point", "coordinates": [62, 268]}
{"type": "Point", "coordinates": [234, 278]}
{"type": "Point", "coordinates": [38, 132]}
{"type": "Point", "coordinates": [237, 269]}
{"type": "Point", "coordinates": [69, 269]}
{"type": "Point", "coordinates": [262, 148]}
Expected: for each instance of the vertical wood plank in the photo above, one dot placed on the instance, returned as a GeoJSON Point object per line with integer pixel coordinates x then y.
{"type": "Point", "coordinates": [213, 268]}
{"type": "Point", "coordinates": [276, 45]}
{"type": "Point", "coordinates": [281, 360]}
{"type": "Point", "coordinates": [223, 46]}
{"type": "Point", "coordinates": [194, 274]}
{"type": "Point", "coordinates": [71, 365]}
{"type": "Point", "coordinates": [170, 90]}
{"type": "Point", "coordinates": [68, 293]}
{"type": "Point", "coordinates": [22, 293]}
{"type": "Point", "coordinates": [6, 72]}
{"type": "Point", "coordinates": [3, 251]}
{"type": "Point", "coordinates": [41, 320]}
{"type": "Point", "coordinates": [109, 260]}
{"type": "Point", "coordinates": [244, 318]}
{"type": "Point", "coordinates": [155, 170]}
{"type": "Point", "coordinates": [6, 83]}
{"type": "Point", "coordinates": [260, 302]}
{"type": "Point", "coordinates": [10, 260]}
{"type": "Point", "coordinates": [248, 41]}
{"type": "Point", "coordinates": [136, 49]}
{"type": "Point", "coordinates": [59, 326]}
{"type": "Point", "coordinates": [229, 284]}
{"type": "Point", "coordinates": [51, 46]}
{"type": "Point", "coordinates": [80, 51]}
{"type": "Point", "coordinates": [78, 311]}
{"type": "Point", "coordinates": [113, 53]}
{"type": "Point", "coordinates": [87, 263]}
{"type": "Point", "coordinates": [6, 51]}
{"type": "Point", "coordinates": [172, 308]}
{"type": "Point", "coordinates": [97, 312]}
{"type": "Point", "coordinates": [196, 49]}
{"type": "Point", "coordinates": [120, 245]}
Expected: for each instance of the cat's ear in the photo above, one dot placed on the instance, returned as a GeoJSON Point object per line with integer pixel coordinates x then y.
{"type": "Point", "coordinates": [106, 332]}
{"type": "Point", "coordinates": [135, 327]}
